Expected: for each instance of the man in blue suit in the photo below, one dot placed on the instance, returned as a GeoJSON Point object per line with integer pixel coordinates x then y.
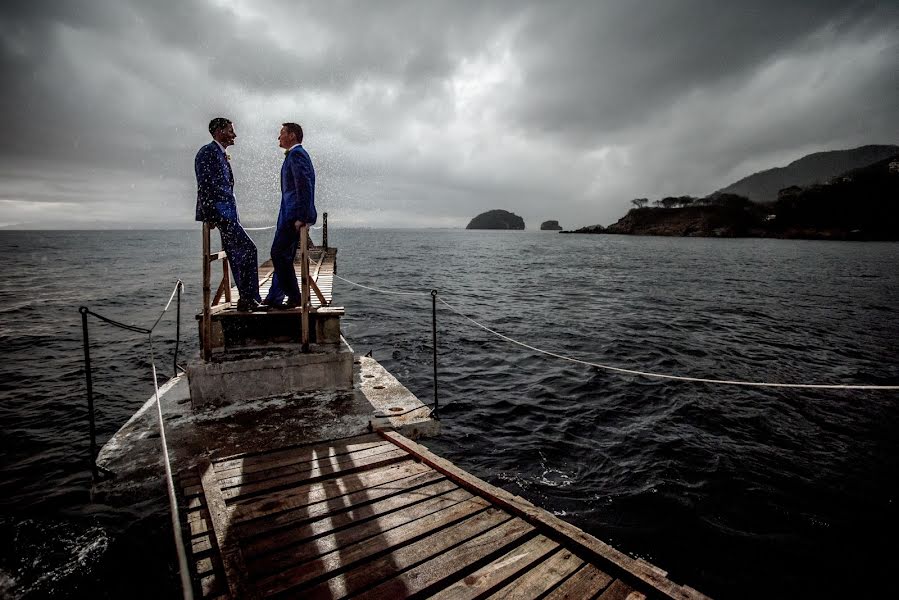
{"type": "Point", "coordinates": [297, 211]}
{"type": "Point", "coordinates": [217, 206]}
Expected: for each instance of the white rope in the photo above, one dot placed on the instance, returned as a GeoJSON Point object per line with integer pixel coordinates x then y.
{"type": "Point", "coordinates": [272, 227]}
{"type": "Point", "coordinates": [382, 291]}
{"type": "Point", "coordinates": [167, 304]}
{"type": "Point", "coordinates": [674, 377]}
{"type": "Point", "coordinates": [812, 386]}
{"type": "Point", "coordinates": [186, 585]}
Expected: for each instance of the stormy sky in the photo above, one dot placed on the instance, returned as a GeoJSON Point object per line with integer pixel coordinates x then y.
{"type": "Point", "coordinates": [425, 113]}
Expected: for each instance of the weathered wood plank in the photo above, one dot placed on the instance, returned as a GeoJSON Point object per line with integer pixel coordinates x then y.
{"type": "Point", "coordinates": [334, 507]}
{"type": "Point", "coordinates": [341, 512]}
{"type": "Point", "coordinates": [446, 566]}
{"type": "Point", "coordinates": [587, 582]}
{"type": "Point", "coordinates": [386, 480]}
{"type": "Point", "coordinates": [307, 549]}
{"type": "Point", "coordinates": [203, 566]}
{"type": "Point", "coordinates": [598, 551]}
{"type": "Point", "coordinates": [237, 493]}
{"type": "Point", "coordinates": [446, 528]}
{"type": "Point", "coordinates": [211, 586]}
{"type": "Point", "coordinates": [495, 574]}
{"type": "Point", "coordinates": [198, 526]}
{"type": "Point", "coordinates": [543, 577]}
{"type": "Point", "coordinates": [232, 560]}
{"type": "Point", "coordinates": [200, 545]}
{"type": "Point", "coordinates": [234, 477]}
{"type": "Point", "coordinates": [332, 448]}
{"type": "Point", "coordinates": [621, 591]}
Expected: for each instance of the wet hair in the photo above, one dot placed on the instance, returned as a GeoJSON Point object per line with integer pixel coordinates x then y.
{"type": "Point", "coordinates": [217, 124]}
{"type": "Point", "coordinates": [295, 129]}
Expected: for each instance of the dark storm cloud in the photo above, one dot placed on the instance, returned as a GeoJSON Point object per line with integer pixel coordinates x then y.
{"type": "Point", "coordinates": [616, 63]}
{"type": "Point", "coordinates": [434, 110]}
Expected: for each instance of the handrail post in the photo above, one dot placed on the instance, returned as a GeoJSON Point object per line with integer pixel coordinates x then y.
{"type": "Point", "coordinates": [226, 279]}
{"type": "Point", "coordinates": [90, 392]}
{"type": "Point", "coordinates": [207, 320]}
{"type": "Point", "coordinates": [304, 287]}
{"type": "Point", "coordinates": [434, 336]}
{"type": "Point", "coordinates": [325, 231]}
{"type": "Point", "coordinates": [177, 331]}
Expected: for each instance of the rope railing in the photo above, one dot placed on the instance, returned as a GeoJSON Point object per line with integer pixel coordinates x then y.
{"type": "Point", "coordinates": [639, 373]}
{"type": "Point", "coordinates": [186, 585]}
{"type": "Point", "coordinates": [272, 227]}
{"type": "Point", "coordinates": [374, 289]}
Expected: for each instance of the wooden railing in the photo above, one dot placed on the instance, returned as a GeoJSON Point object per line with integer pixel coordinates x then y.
{"type": "Point", "coordinates": [307, 284]}
{"type": "Point", "coordinates": [224, 288]}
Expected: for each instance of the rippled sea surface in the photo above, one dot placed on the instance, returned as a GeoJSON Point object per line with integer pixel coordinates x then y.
{"type": "Point", "coordinates": [740, 492]}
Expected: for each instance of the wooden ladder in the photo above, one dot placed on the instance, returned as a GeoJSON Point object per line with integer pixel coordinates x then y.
{"type": "Point", "coordinates": [224, 288]}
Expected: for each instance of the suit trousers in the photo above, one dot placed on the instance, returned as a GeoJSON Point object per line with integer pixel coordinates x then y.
{"type": "Point", "coordinates": [243, 258]}
{"type": "Point", "coordinates": [284, 249]}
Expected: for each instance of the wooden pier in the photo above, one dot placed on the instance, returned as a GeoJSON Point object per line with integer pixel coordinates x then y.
{"type": "Point", "coordinates": [379, 516]}
{"type": "Point", "coordinates": [316, 320]}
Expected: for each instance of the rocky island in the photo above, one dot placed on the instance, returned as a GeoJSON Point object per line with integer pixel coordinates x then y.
{"type": "Point", "coordinates": [496, 219]}
{"type": "Point", "coordinates": [550, 226]}
{"type": "Point", "coordinates": [858, 204]}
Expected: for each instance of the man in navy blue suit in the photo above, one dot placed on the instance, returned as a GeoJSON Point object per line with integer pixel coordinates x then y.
{"type": "Point", "coordinates": [217, 206]}
{"type": "Point", "coordinates": [297, 211]}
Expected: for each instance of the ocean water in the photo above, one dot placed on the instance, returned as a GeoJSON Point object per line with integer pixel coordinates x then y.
{"type": "Point", "coordinates": [739, 492]}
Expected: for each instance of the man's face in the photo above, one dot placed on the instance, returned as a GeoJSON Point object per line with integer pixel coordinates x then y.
{"type": "Point", "coordinates": [227, 136]}
{"type": "Point", "coordinates": [286, 139]}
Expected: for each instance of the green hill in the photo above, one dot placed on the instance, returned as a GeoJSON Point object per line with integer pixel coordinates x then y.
{"type": "Point", "coordinates": [808, 170]}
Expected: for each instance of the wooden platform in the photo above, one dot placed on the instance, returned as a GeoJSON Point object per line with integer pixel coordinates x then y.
{"type": "Point", "coordinates": [322, 265]}
{"type": "Point", "coordinates": [379, 516]}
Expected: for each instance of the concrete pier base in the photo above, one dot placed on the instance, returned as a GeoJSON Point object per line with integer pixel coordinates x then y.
{"type": "Point", "coordinates": [251, 373]}
{"type": "Point", "coordinates": [134, 453]}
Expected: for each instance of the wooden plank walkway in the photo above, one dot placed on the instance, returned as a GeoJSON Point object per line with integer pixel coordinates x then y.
{"type": "Point", "coordinates": [379, 516]}
{"type": "Point", "coordinates": [322, 266]}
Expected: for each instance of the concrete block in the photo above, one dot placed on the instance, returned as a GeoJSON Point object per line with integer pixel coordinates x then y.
{"type": "Point", "coordinates": [269, 371]}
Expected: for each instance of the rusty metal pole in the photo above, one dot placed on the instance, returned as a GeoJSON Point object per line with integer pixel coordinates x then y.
{"type": "Point", "coordinates": [325, 231]}
{"type": "Point", "coordinates": [434, 337]}
{"type": "Point", "coordinates": [177, 332]}
{"type": "Point", "coordinates": [90, 392]}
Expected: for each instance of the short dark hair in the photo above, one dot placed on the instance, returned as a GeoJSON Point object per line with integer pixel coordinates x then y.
{"type": "Point", "coordinates": [295, 129]}
{"type": "Point", "coordinates": [217, 124]}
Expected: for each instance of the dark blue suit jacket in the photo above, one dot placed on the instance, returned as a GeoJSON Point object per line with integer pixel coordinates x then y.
{"type": "Point", "coordinates": [215, 185]}
{"type": "Point", "coordinates": [297, 189]}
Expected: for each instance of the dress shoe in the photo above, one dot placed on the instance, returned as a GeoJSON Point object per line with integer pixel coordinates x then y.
{"type": "Point", "coordinates": [286, 305]}
{"type": "Point", "coordinates": [250, 305]}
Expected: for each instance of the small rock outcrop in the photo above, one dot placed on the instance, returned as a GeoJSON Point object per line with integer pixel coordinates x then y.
{"type": "Point", "coordinates": [589, 229]}
{"type": "Point", "coordinates": [550, 226]}
{"type": "Point", "coordinates": [496, 219]}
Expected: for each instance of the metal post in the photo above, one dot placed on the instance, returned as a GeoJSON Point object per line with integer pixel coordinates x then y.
{"type": "Point", "coordinates": [325, 231]}
{"type": "Point", "coordinates": [90, 391]}
{"type": "Point", "coordinates": [434, 334]}
{"type": "Point", "coordinates": [177, 331]}
{"type": "Point", "coordinates": [206, 329]}
{"type": "Point", "coordinates": [305, 301]}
